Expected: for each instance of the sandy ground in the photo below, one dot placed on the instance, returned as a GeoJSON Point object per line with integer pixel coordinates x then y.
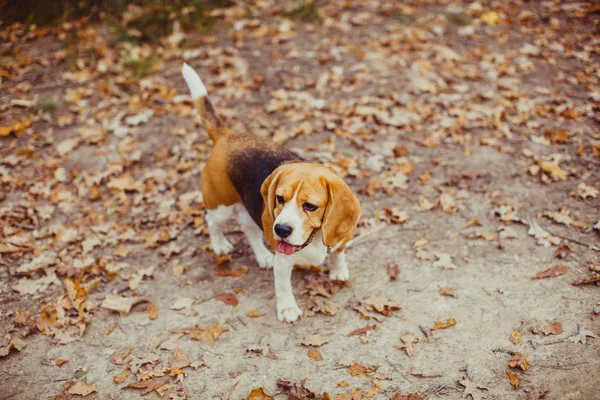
{"type": "Point", "coordinates": [480, 166]}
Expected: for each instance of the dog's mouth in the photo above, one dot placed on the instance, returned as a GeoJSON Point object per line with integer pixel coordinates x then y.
{"type": "Point", "coordinates": [289, 249]}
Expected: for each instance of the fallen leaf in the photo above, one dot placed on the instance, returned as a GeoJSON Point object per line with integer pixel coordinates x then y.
{"type": "Point", "coordinates": [516, 336]}
{"type": "Point", "coordinates": [121, 358]}
{"type": "Point", "coordinates": [152, 311]}
{"type": "Point", "coordinates": [315, 354]}
{"type": "Point", "coordinates": [109, 328]}
{"type": "Point", "coordinates": [420, 243]}
{"type": "Point", "coordinates": [59, 362]}
{"type": "Point", "coordinates": [259, 394]}
{"type": "Point", "coordinates": [149, 385]}
{"type": "Point", "coordinates": [513, 379]}
{"type": "Point", "coordinates": [363, 330]}
{"type": "Point", "coordinates": [444, 261]}
{"type": "Point", "coordinates": [224, 271]}
{"type": "Point", "coordinates": [490, 18]}
{"type": "Point", "coordinates": [121, 376]}
{"type": "Point", "coordinates": [228, 298]}
{"type": "Point", "coordinates": [360, 370]}
{"type": "Point", "coordinates": [443, 325]}
{"type": "Point", "coordinates": [254, 313]}
{"type": "Point", "coordinates": [15, 343]}
{"type": "Point", "coordinates": [562, 251]}
{"type": "Point", "coordinates": [121, 304]}
{"type": "Point", "coordinates": [314, 340]}
{"type": "Point", "coordinates": [551, 272]}
{"type": "Point", "coordinates": [184, 302]}
{"type": "Point", "coordinates": [407, 344]}
{"type": "Point", "coordinates": [582, 335]}
{"type": "Point", "coordinates": [473, 389]}
{"type": "Point", "coordinates": [393, 270]}
{"type": "Point", "coordinates": [553, 329]}
{"type": "Point", "coordinates": [208, 334]}
{"type": "Point", "coordinates": [447, 291]}
{"type": "Point", "coordinates": [518, 360]}
{"type": "Point", "coordinates": [584, 191]}
{"type": "Point", "coordinates": [553, 169]}
{"type": "Point", "coordinates": [82, 389]}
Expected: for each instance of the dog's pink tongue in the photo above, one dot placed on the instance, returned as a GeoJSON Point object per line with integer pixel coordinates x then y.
{"type": "Point", "coordinates": [285, 248]}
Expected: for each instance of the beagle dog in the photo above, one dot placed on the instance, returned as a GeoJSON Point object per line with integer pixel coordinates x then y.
{"type": "Point", "coordinates": [305, 210]}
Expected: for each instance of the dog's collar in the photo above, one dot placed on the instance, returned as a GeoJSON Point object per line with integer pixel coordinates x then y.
{"type": "Point", "coordinates": [310, 238]}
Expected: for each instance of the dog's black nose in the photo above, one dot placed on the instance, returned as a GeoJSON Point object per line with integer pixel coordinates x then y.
{"type": "Point", "coordinates": [283, 230]}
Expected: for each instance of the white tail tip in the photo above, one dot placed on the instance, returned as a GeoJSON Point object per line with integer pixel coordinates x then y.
{"type": "Point", "coordinates": [197, 88]}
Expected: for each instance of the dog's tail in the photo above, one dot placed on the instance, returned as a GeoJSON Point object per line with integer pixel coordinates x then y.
{"type": "Point", "coordinates": [210, 119]}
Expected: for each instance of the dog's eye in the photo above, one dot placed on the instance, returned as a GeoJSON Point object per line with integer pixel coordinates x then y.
{"type": "Point", "coordinates": [309, 207]}
{"type": "Point", "coordinates": [280, 199]}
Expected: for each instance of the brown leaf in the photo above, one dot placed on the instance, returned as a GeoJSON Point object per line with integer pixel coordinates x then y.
{"type": "Point", "coordinates": [148, 386]}
{"type": "Point", "coordinates": [410, 396]}
{"type": "Point", "coordinates": [363, 330]}
{"type": "Point", "coordinates": [315, 354]}
{"type": "Point", "coordinates": [407, 344]}
{"type": "Point", "coordinates": [358, 369]}
{"type": "Point", "coordinates": [473, 389]}
{"type": "Point", "coordinates": [551, 272]}
{"type": "Point", "coordinates": [562, 251]}
{"type": "Point", "coordinates": [314, 340]}
{"type": "Point", "coordinates": [443, 325]}
{"type": "Point", "coordinates": [254, 313]}
{"type": "Point", "coordinates": [208, 334]}
{"type": "Point", "coordinates": [152, 311]}
{"type": "Point", "coordinates": [82, 389]}
{"type": "Point", "coordinates": [513, 379]}
{"type": "Point", "coordinates": [121, 376]}
{"type": "Point", "coordinates": [259, 394]}
{"type": "Point", "coordinates": [558, 136]}
{"type": "Point", "coordinates": [553, 329]}
{"type": "Point", "coordinates": [447, 291]}
{"type": "Point", "coordinates": [15, 343]}
{"type": "Point", "coordinates": [228, 298]}
{"type": "Point", "coordinates": [60, 362]}
{"type": "Point", "coordinates": [121, 358]}
{"type": "Point", "coordinates": [111, 327]}
{"type": "Point", "coordinates": [392, 270]}
{"type": "Point", "coordinates": [516, 336]}
{"type": "Point", "coordinates": [518, 360]}
{"type": "Point", "coordinates": [224, 271]}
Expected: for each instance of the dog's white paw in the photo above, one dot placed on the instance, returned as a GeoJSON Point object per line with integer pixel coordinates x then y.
{"type": "Point", "coordinates": [264, 259]}
{"type": "Point", "coordinates": [289, 314]}
{"type": "Point", "coordinates": [222, 246]}
{"type": "Point", "coordinates": [339, 274]}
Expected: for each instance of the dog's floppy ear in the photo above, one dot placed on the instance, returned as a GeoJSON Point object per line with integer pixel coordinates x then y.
{"type": "Point", "coordinates": [267, 190]}
{"type": "Point", "coordinates": [341, 214]}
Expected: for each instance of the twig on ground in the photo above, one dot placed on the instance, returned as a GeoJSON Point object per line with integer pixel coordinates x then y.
{"type": "Point", "coordinates": [589, 246]}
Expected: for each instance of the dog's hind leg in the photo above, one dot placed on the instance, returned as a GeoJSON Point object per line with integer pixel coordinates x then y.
{"type": "Point", "coordinates": [254, 234]}
{"type": "Point", "coordinates": [216, 219]}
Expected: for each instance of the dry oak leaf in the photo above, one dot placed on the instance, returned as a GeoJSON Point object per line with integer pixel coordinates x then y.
{"type": "Point", "coordinates": [152, 311]}
{"type": "Point", "coordinates": [516, 336]}
{"type": "Point", "coordinates": [121, 376]}
{"type": "Point", "coordinates": [315, 354]}
{"type": "Point", "coordinates": [298, 390]}
{"type": "Point", "coordinates": [562, 251]}
{"type": "Point", "coordinates": [82, 389]}
{"type": "Point", "coordinates": [443, 325]}
{"type": "Point", "coordinates": [15, 343]}
{"type": "Point", "coordinates": [148, 386]}
{"type": "Point", "coordinates": [407, 344]}
{"type": "Point", "coordinates": [392, 270]}
{"type": "Point", "coordinates": [208, 334]}
{"type": "Point", "coordinates": [582, 335]}
{"type": "Point", "coordinates": [410, 396]}
{"type": "Point", "coordinates": [553, 329]}
{"type": "Point", "coordinates": [121, 304]}
{"type": "Point", "coordinates": [552, 168]}
{"type": "Point", "coordinates": [184, 302]}
{"type": "Point", "coordinates": [254, 313]}
{"type": "Point", "coordinates": [447, 291]}
{"type": "Point", "coordinates": [513, 379]}
{"type": "Point", "coordinates": [358, 369]}
{"type": "Point", "coordinates": [584, 191]}
{"type": "Point", "coordinates": [476, 391]}
{"type": "Point", "coordinates": [314, 340]}
{"type": "Point", "coordinates": [259, 394]}
{"type": "Point", "coordinates": [228, 298]}
{"type": "Point", "coordinates": [518, 360]}
{"type": "Point", "coordinates": [363, 330]}
{"type": "Point", "coordinates": [224, 271]}
{"type": "Point", "coordinates": [551, 272]}
{"type": "Point", "coordinates": [59, 362]}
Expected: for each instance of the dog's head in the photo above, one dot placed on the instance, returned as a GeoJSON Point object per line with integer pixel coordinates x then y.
{"type": "Point", "coordinates": [300, 199]}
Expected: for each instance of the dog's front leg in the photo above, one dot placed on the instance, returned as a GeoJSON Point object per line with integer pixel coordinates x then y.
{"type": "Point", "coordinates": [338, 269]}
{"type": "Point", "coordinates": [287, 308]}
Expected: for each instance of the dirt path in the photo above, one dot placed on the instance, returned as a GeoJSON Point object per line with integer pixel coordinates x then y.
{"type": "Point", "coordinates": [470, 134]}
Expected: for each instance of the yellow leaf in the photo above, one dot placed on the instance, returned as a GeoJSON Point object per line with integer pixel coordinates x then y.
{"type": "Point", "coordinates": [513, 379]}
{"type": "Point", "coordinates": [491, 18]}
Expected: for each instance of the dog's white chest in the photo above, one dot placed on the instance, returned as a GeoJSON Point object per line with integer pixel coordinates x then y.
{"type": "Point", "coordinates": [313, 254]}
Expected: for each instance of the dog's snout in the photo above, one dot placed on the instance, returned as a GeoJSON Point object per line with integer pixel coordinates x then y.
{"type": "Point", "coordinates": [283, 230]}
